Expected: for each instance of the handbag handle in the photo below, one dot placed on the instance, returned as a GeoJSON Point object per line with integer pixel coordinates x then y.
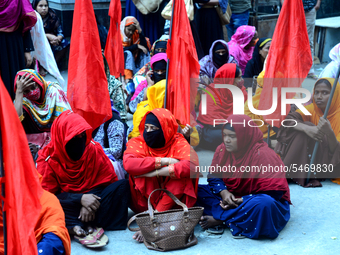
{"type": "Point", "coordinates": [175, 199]}
{"type": "Point", "coordinates": [159, 4]}
{"type": "Point", "coordinates": [132, 219]}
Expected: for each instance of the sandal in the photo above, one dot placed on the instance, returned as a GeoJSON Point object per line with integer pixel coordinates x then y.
{"type": "Point", "coordinates": [312, 76]}
{"type": "Point", "coordinates": [95, 240]}
{"type": "Point", "coordinates": [87, 240]}
{"type": "Point", "coordinates": [103, 241]}
{"type": "Point", "coordinates": [217, 230]}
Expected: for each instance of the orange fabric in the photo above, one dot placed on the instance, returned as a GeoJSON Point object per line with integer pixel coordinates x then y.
{"type": "Point", "coordinates": [183, 66]}
{"type": "Point", "coordinates": [128, 74]}
{"type": "Point", "coordinates": [22, 186]}
{"type": "Point", "coordinates": [87, 90]}
{"type": "Point", "coordinates": [289, 57]}
{"type": "Point", "coordinates": [52, 220]}
{"type": "Point", "coordinates": [114, 52]}
{"type": "Point", "coordinates": [134, 39]}
{"type": "Point", "coordinates": [129, 22]}
{"type": "Point", "coordinates": [333, 113]}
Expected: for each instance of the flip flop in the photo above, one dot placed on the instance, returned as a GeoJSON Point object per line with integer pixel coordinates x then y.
{"type": "Point", "coordinates": [103, 241]}
{"type": "Point", "coordinates": [97, 232]}
{"type": "Point", "coordinates": [312, 76]}
{"type": "Point", "coordinates": [217, 230]}
{"type": "Point", "coordinates": [89, 239]}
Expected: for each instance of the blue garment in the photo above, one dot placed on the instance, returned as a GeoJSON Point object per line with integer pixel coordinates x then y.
{"type": "Point", "coordinates": [151, 24]}
{"type": "Point", "coordinates": [260, 215]}
{"type": "Point", "coordinates": [50, 244]}
{"type": "Point", "coordinates": [237, 20]}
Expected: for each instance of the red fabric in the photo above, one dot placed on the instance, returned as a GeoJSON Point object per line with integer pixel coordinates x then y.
{"type": "Point", "coordinates": [87, 90]}
{"type": "Point", "coordinates": [289, 56]}
{"type": "Point", "coordinates": [22, 186]}
{"type": "Point", "coordinates": [223, 97]}
{"type": "Point", "coordinates": [60, 173]}
{"type": "Point", "coordinates": [252, 151]}
{"type": "Point", "coordinates": [140, 159]}
{"type": "Point", "coordinates": [183, 66]}
{"type": "Point", "coordinates": [114, 52]}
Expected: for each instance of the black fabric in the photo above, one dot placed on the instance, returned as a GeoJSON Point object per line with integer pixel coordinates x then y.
{"type": "Point", "coordinates": [198, 45]}
{"type": "Point", "coordinates": [134, 47]}
{"type": "Point", "coordinates": [211, 137]}
{"type": "Point", "coordinates": [308, 5]}
{"type": "Point", "coordinates": [161, 45]}
{"type": "Point", "coordinates": [159, 65]}
{"type": "Point", "coordinates": [29, 125]}
{"type": "Point", "coordinates": [12, 58]}
{"type": "Point", "coordinates": [75, 147]}
{"type": "Point", "coordinates": [112, 213]}
{"type": "Point", "coordinates": [218, 59]}
{"type": "Point", "coordinates": [154, 139]}
{"type": "Point", "coordinates": [229, 127]}
{"type": "Point", "coordinates": [255, 65]}
{"type": "Point", "coordinates": [209, 27]}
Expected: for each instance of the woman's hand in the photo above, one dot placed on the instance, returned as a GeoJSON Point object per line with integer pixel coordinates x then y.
{"type": "Point", "coordinates": [85, 215]}
{"type": "Point", "coordinates": [52, 39]}
{"type": "Point", "coordinates": [59, 38]}
{"type": "Point", "coordinates": [28, 59]}
{"type": "Point", "coordinates": [314, 133]}
{"type": "Point", "coordinates": [148, 78]}
{"type": "Point", "coordinates": [90, 202]}
{"type": "Point", "coordinates": [141, 47]}
{"type": "Point", "coordinates": [24, 82]}
{"type": "Point", "coordinates": [137, 25]}
{"type": "Point", "coordinates": [228, 200]}
{"type": "Point", "coordinates": [324, 127]}
{"type": "Point", "coordinates": [187, 131]}
{"type": "Point", "coordinates": [168, 161]}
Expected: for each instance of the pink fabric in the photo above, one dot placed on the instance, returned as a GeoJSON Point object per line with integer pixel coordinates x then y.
{"type": "Point", "coordinates": [242, 37]}
{"type": "Point", "coordinates": [139, 88]}
{"type": "Point", "coordinates": [158, 57]}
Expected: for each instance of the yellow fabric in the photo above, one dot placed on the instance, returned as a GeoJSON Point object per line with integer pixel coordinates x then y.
{"type": "Point", "coordinates": [156, 94]}
{"type": "Point", "coordinates": [256, 101]}
{"type": "Point", "coordinates": [194, 138]}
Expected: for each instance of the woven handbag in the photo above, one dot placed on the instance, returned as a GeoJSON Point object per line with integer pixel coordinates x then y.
{"type": "Point", "coordinates": [168, 230]}
{"type": "Point", "coordinates": [189, 6]}
{"type": "Point", "coordinates": [147, 6]}
{"type": "Point", "coordinates": [224, 17]}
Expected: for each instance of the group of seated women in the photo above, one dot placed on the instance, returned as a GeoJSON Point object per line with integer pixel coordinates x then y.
{"type": "Point", "coordinates": [97, 175]}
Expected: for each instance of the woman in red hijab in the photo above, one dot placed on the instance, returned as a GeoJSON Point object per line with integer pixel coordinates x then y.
{"type": "Point", "coordinates": [251, 200]}
{"type": "Point", "coordinates": [76, 169]}
{"type": "Point", "coordinates": [160, 158]}
{"type": "Point", "coordinates": [219, 107]}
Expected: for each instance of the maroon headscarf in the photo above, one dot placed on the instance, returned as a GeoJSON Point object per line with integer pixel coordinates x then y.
{"type": "Point", "coordinates": [13, 12]}
{"type": "Point", "coordinates": [252, 151]}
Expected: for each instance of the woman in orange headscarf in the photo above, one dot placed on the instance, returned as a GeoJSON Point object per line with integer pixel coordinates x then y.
{"type": "Point", "coordinates": [160, 158]}
{"type": "Point", "coordinates": [136, 46]}
{"type": "Point", "coordinates": [296, 144]}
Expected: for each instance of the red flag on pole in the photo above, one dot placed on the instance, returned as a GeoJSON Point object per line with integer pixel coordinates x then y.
{"type": "Point", "coordinates": [22, 186]}
{"type": "Point", "coordinates": [183, 67]}
{"type": "Point", "coordinates": [289, 58]}
{"type": "Point", "coordinates": [87, 89]}
{"type": "Point", "coordinates": [114, 52]}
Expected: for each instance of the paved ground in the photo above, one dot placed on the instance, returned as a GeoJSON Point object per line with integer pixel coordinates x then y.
{"type": "Point", "coordinates": [314, 227]}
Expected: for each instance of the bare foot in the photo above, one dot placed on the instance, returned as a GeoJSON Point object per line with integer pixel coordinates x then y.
{"type": "Point", "coordinates": [78, 231]}
{"type": "Point", "coordinates": [90, 230]}
{"type": "Point", "coordinates": [209, 221]}
{"type": "Point", "coordinates": [138, 236]}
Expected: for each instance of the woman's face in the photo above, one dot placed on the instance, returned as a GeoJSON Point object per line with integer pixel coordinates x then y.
{"type": "Point", "coordinates": [239, 80]}
{"type": "Point", "coordinates": [253, 41]}
{"type": "Point", "coordinates": [264, 51]}
{"type": "Point", "coordinates": [30, 88]}
{"type": "Point", "coordinates": [230, 140]}
{"type": "Point", "coordinates": [150, 128]}
{"type": "Point", "coordinates": [321, 95]}
{"type": "Point", "coordinates": [42, 8]}
{"type": "Point", "coordinates": [130, 30]}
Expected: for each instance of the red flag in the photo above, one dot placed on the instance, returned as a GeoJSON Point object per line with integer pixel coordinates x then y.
{"type": "Point", "coordinates": [87, 89]}
{"type": "Point", "coordinates": [114, 52]}
{"type": "Point", "coordinates": [22, 185]}
{"type": "Point", "coordinates": [183, 67]}
{"type": "Point", "coordinates": [289, 59]}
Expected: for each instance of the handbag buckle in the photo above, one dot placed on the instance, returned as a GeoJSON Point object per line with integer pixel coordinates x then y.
{"type": "Point", "coordinates": [154, 245]}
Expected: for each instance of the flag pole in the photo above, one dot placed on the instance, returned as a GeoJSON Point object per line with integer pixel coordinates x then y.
{"type": "Point", "coordinates": [2, 175]}
{"type": "Point", "coordinates": [325, 117]}
{"type": "Point", "coordinates": [168, 64]}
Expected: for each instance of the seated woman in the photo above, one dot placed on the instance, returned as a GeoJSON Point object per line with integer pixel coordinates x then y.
{"type": "Point", "coordinates": [136, 48]}
{"type": "Point", "coordinates": [242, 45]}
{"type": "Point", "coordinates": [252, 204]}
{"type": "Point", "coordinates": [210, 136]}
{"type": "Point", "coordinates": [53, 29]}
{"type": "Point", "coordinates": [77, 171]}
{"type": "Point", "coordinates": [111, 135]}
{"type": "Point", "coordinates": [330, 70]}
{"type": "Point", "coordinates": [160, 158]}
{"type": "Point", "coordinates": [218, 56]}
{"type": "Point", "coordinates": [296, 144]}
{"type": "Point", "coordinates": [255, 65]}
{"type": "Point", "coordinates": [140, 78]}
{"type": "Point", "coordinates": [37, 102]}
{"type": "Point", "coordinates": [256, 102]}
